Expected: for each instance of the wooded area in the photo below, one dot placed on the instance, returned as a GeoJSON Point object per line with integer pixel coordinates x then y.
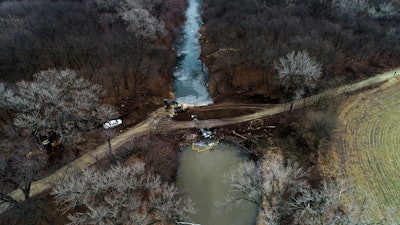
{"type": "Point", "coordinates": [61, 62]}
{"type": "Point", "coordinates": [56, 56]}
{"type": "Point", "coordinates": [243, 38]}
{"type": "Point", "coordinates": [125, 46]}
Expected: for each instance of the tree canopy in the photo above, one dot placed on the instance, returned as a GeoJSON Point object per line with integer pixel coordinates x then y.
{"type": "Point", "coordinates": [121, 195]}
{"type": "Point", "coordinates": [56, 101]}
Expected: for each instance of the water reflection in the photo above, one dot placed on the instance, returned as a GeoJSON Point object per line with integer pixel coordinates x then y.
{"type": "Point", "coordinates": [200, 176]}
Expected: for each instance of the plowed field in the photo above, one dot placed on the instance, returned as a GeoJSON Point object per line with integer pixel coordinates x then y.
{"type": "Point", "coordinates": [369, 145]}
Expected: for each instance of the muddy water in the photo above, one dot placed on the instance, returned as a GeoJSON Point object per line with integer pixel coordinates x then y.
{"type": "Point", "coordinates": [200, 176]}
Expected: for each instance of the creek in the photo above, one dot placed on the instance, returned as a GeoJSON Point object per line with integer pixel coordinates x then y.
{"type": "Point", "coordinates": [203, 165]}
{"type": "Point", "coordinates": [190, 73]}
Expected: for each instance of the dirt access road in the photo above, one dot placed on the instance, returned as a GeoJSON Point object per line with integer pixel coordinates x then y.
{"type": "Point", "coordinates": [156, 122]}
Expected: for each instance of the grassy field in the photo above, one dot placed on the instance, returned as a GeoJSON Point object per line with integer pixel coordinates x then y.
{"type": "Point", "coordinates": [369, 145]}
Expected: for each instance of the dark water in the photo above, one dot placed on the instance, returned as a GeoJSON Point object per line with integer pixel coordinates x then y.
{"type": "Point", "coordinates": [191, 74]}
{"type": "Point", "coordinates": [200, 175]}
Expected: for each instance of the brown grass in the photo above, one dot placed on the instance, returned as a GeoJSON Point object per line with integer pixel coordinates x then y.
{"type": "Point", "coordinates": [368, 145]}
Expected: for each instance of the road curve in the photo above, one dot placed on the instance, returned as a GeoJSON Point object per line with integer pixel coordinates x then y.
{"type": "Point", "coordinates": [147, 126]}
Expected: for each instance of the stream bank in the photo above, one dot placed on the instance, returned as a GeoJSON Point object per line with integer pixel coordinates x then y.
{"type": "Point", "coordinates": [200, 173]}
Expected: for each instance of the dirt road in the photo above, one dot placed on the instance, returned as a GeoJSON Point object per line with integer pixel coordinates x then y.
{"type": "Point", "coordinates": [155, 123]}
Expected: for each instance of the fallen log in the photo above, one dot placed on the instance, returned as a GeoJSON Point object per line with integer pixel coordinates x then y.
{"type": "Point", "coordinates": [239, 135]}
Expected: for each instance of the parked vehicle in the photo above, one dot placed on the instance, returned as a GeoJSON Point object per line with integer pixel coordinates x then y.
{"type": "Point", "coordinates": [112, 123]}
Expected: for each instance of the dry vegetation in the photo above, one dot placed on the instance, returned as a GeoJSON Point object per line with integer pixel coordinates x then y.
{"type": "Point", "coordinates": [368, 142]}
{"type": "Point", "coordinates": [241, 46]}
{"type": "Point", "coordinates": [243, 40]}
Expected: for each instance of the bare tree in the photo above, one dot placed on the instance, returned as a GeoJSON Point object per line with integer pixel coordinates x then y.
{"type": "Point", "coordinates": [121, 195]}
{"type": "Point", "coordinates": [268, 3]}
{"type": "Point", "coordinates": [385, 10]}
{"type": "Point", "coordinates": [319, 128]}
{"type": "Point", "coordinates": [59, 102]}
{"type": "Point", "coordinates": [55, 102]}
{"type": "Point", "coordinates": [138, 18]}
{"type": "Point", "coordinates": [333, 203]}
{"type": "Point", "coordinates": [298, 72]}
{"type": "Point", "coordinates": [3, 166]}
{"type": "Point", "coordinates": [142, 23]}
{"type": "Point", "coordinates": [319, 7]}
{"type": "Point", "coordinates": [283, 195]}
{"type": "Point", "coordinates": [349, 6]}
{"type": "Point", "coordinates": [19, 171]}
{"type": "Point", "coordinates": [276, 185]}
